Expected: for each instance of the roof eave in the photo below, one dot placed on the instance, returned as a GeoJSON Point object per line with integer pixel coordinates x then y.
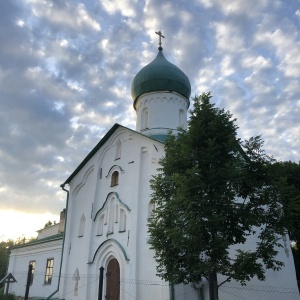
{"type": "Point", "coordinates": [91, 154]}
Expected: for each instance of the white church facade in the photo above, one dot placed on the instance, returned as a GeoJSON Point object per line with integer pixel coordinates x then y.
{"type": "Point", "coordinates": [107, 211]}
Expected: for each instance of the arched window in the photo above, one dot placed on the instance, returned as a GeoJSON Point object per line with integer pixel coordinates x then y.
{"type": "Point", "coordinates": [111, 216]}
{"type": "Point", "coordinates": [122, 224]}
{"type": "Point", "coordinates": [181, 117]}
{"type": "Point", "coordinates": [81, 226]}
{"type": "Point", "coordinates": [106, 216]}
{"type": "Point", "coordinates": [151, 206]}
{"type": "Point", "coordinates": [118, 150]}
{"type": "Point", "coordinates": [100, 225]}
{"type": "Point", "coordinates": [114, 178]}
{"type": "Point", "coordinates": [145, 119]}
{"type": "Point", "coordinates": [116, 213]}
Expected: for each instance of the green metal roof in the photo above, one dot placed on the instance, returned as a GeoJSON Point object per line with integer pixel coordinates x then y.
{"type": "Point", "coordinates": [40, 241]}
{"type": "Point", "coordinates": [160, 75]}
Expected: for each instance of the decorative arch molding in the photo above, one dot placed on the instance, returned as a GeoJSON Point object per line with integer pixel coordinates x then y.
{"type": "Point", "coordinates": [114, 168]}
{"type": "Point", "coordinates": [109, 196]}
{"type": "Point", "coordinates": [84, 180]}
{"type": "Point", "coordinates": [163, 97]}
{"type": "Point", "coordinates": [108, 243]}
{"type": "Point", "coordinates": [118, 149]}
{"type": "Point", "coordinates": [122, 136]}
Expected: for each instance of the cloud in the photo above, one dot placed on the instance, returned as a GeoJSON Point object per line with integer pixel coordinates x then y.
{"type": "Point", "coordinates": [126, 8]}
{"type": "Point", "coordinates": [66, 69]}
{"type": "Point", "coordinates": [64, 14]}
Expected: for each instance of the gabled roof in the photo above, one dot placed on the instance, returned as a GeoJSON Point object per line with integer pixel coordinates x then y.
{"type": "Point", "coordinates": [98, 146]}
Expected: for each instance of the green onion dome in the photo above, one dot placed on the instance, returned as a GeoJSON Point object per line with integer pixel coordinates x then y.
{"type": "Point", "coordinates": [160, 75]}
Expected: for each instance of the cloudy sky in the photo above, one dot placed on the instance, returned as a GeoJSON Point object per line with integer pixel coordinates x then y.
{"type": "Point", "coordinates": [66, 69]}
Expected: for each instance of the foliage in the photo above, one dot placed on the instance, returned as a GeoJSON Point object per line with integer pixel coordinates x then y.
{"type": "Point", "coordinates": [5, 251]}
{"type": "Point", "coordinates": [296, 254]}
{"type": "Point", "coordinates": [214, 192]}
{"type": "Point", "coordinates": [4, 256]}
{"type": "Point", "coordinates": [49, 224]}
{"type": "Point", "coordinates": [23, 240]}
{"type": "Point", "coordinates": [289, 181]}
{"type": "Point", "coordinates": [7, 297]}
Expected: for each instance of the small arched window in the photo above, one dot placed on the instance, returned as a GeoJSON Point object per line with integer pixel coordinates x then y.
{"type": "Point", "coordinates": [118, 150]}
{"type": "Point", "coordinates": [181, 117]}
{"type": "Point", "coordinates": [81, 226]}
{"type": "Point", "coordinates": [114, 178]}
{"type": "Point", "coordinates": [116, 213]}
{"type": "Point", "coordinates": [151, 206]}
{"type": "Point", "coordinates": [100, 225]}
{"type": "Point", "coordinates": [122, 225]}
{"type": "Point", "coordinates": [145, 119]}
{"type": "Point", "coordinates": [111, 217]}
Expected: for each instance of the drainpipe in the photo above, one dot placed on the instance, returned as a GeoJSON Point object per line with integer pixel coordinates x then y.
{"type": "Point", "coordinates": [63, 243]}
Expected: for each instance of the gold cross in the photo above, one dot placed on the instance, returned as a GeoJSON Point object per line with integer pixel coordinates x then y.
{"type": "Point", "coordinates": [160, 36]}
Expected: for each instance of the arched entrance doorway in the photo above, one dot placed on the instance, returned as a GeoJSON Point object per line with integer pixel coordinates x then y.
{"type": "Point", "coordinates": [113, 280]}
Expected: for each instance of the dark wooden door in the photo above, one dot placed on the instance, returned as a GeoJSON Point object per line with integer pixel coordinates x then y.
{"type": "Point", "coordinates": [113, 280]}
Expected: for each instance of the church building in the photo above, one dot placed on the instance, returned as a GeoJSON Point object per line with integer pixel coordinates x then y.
{"type": "Point", "coordinates": [108, 207]}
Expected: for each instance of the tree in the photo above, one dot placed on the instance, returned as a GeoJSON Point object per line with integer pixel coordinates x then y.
{"type": "Point", "coordinates": [49, 224]}
{"type": "Point", "coordinates": [212, 193]}
{"type": "Point", "coordinates": [5, 247]}
{"type": "Point", "coordinates": [4, 257]}
{"type": "Point", "coordinates": [289, 182]}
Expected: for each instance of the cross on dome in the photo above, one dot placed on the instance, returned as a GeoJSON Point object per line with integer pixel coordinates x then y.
{"type": "Point", "coordinates": [159, 33]}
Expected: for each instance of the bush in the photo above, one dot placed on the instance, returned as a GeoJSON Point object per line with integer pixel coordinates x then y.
{"type": "Point", "coordinates": [7, 297]}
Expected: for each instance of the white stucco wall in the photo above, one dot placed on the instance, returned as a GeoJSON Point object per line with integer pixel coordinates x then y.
{"type": "Point", "coordinates": [163, 111]}
{"type": "Point", "coordinates": [91, 193]}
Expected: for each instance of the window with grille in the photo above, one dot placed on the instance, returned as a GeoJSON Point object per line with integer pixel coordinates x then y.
{"type": "Point", "coordinates": [49, 271]}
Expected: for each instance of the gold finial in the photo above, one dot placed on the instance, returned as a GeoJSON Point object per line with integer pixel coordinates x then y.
{"type": "Point", "coordinates": [160, 36]}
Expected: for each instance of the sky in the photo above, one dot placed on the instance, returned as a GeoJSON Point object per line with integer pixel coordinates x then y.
{"type": "Point", "coordinates": [66, 69]}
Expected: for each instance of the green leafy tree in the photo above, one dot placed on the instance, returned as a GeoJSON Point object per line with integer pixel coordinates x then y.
{"type": "Point", "coordinates": [4, 257]}
{"type": "Point", "coordinates": [212, 193]}
{"type": "Point", "coordinates": [49, 224]}
{"type": "Point", "coordinates": [23, 240]}
{"type": "Point", "coordinates": [289, 181]}
{"type": "Point", "coordinates": [5, 247]}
